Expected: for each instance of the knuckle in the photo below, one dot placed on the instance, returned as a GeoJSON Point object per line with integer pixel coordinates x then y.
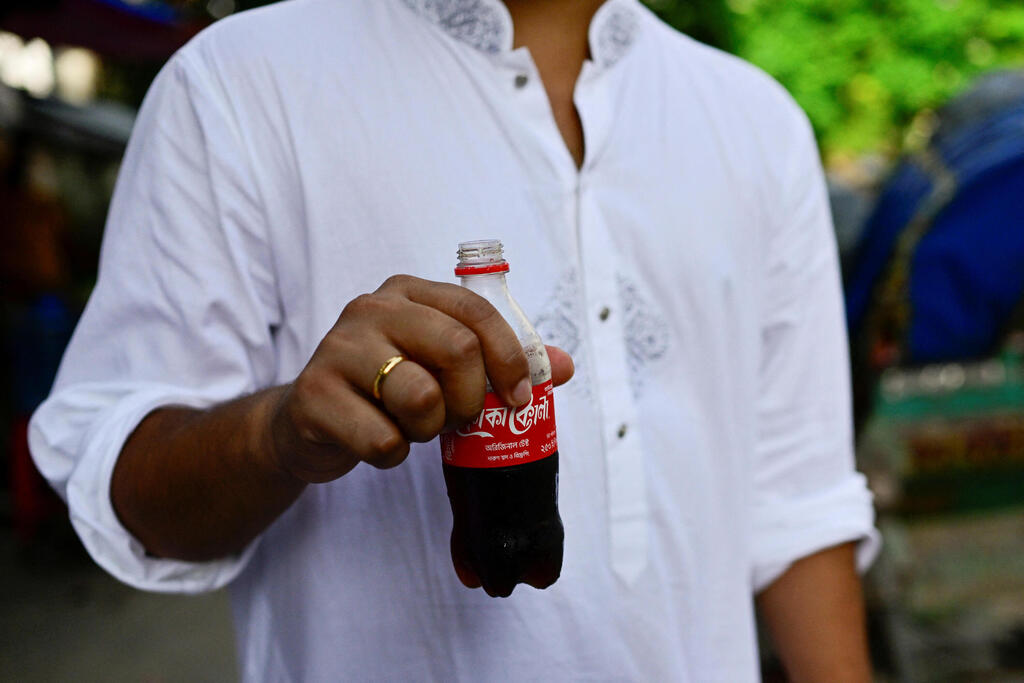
{"type": "Point", "coordinates": [468, 409]}
{"type": "Point", "coordinates": [379, 306]}
{"type": "Point", "coordinates": [387, 444]}
{"type": "Point", "coordinates": [364, 304]}
{"type": "Point", "coordinates": [463, 344]}
{"type": "Point", "coordinates": [434, 426]}
{"type": "Point", "coordinates": [357, 304]}
{"type": "Point", "coordinates": [399, 281]}
{"type": "Point", "coordinates": [424, 430]}
{"type": "Point", "coordinates": [387, 451]}
{"type": "Point", "coordinates": [474, 309]}
{"type": "Point", "coordinates": [332, 344]}
{"type": "Point", "coordinates": [423, 397]}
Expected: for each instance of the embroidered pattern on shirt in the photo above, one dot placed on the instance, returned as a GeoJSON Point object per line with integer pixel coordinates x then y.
{"type": "Point", "coordinates": [559, 325]}
{"type": "Point", "coordinates": [482, 25]}
{"type": "Point", "coordinates": [475, 22]}
{"type": "Point", "coordinates": [616, 35]}
{"type": "Point", "coordinates": [646, 332]}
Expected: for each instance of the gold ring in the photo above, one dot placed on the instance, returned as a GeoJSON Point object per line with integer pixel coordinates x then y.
{"type": "Point", "coordinates": [388, 366]}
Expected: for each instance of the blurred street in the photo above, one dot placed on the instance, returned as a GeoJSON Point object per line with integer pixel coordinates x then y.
{"type": "Point", "coordinates": [63, 619]}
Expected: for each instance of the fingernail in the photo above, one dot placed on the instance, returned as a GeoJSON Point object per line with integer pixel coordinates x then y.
{"type": "Point", "coordinates": [522, 393]}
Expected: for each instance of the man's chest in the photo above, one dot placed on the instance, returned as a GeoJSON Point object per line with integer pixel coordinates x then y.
{"type": "Point", "coordinates": [362, 188]}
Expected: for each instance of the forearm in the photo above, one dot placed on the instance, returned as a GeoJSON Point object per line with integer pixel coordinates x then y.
{"type": "Point", "coordinates": [815, 613]}
{"type": "Point", "coordinates": [201, 484]}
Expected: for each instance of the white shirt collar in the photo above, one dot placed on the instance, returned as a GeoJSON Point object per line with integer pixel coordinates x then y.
{"type": "Point", "coordinates": [486, 25]}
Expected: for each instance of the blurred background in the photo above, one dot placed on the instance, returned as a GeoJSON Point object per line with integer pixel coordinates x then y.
{"type": "Point", "coordinates": [918, 106]}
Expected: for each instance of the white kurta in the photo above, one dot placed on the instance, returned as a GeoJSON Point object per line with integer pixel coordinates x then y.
{"type": "Point", "coordinates": [291, 158]}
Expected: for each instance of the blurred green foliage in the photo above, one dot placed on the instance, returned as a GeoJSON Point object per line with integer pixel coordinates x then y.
{"type": "Point", "coordinates": [862, 69]}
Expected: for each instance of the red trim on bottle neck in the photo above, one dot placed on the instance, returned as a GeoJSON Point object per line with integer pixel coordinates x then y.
{"type": "Point", "coordinates": [482, 269]}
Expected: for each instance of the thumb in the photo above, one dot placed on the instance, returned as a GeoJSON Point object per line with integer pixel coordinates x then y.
{"type": "Point", "coordinates": [562, 367]}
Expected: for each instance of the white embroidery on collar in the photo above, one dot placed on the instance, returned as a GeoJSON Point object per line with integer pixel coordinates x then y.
{"type": "Point", "coordinates": [486, 25]}
{"type": "Point", "coordinates": [616, 32]}
{"type": "Point", "coordinates": [479, 23]}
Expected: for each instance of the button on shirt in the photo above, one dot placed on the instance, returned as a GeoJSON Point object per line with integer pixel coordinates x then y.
{"type": "Point", "coordinates": [290, 158]}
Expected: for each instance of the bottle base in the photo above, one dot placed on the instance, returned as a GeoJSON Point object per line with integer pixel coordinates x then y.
{"type": "Point", "coordinates": [506, 528]}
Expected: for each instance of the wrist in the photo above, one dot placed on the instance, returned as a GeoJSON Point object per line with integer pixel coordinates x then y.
{"type": "Point", "coordinates": [266, 438]}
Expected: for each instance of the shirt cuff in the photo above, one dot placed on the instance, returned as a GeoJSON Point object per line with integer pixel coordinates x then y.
{"type": "Point", "coordinates": [787, 530]}
{"type": "Point", "coordinates": [92, 514]}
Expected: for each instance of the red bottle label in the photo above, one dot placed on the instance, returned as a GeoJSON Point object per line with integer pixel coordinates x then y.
{"type": "Point", "coordinates": [503, 436]}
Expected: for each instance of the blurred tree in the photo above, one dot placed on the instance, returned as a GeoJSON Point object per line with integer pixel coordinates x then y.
{"type": "Point", "coordinates": [864, 70]}
{"type": "Point", "coordinates": [709, 21]}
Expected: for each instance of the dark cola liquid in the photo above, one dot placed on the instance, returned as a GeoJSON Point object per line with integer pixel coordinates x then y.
{"type": "Point", "coordinates": [506, 526]}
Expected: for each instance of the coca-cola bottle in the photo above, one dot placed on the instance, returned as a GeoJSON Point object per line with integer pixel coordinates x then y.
{"type": "Point", "coordinates": [502, 469]}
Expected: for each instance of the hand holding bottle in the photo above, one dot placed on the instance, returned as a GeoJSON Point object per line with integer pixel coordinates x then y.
{"type": "Point", "coordinates": [452, 340]}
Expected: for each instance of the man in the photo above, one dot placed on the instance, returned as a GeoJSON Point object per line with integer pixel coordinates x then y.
{"type": "Point", "coordinates": [663, 210]}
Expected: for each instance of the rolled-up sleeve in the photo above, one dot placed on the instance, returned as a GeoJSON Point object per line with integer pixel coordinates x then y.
{"type": "Point", "coordinates": [182, 314]}
{"type": "Point", "coordinates": [807, 494]}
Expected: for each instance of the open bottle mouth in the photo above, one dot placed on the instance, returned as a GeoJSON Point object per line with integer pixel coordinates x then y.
{"type": "Point", "coordinates": [480, 257]}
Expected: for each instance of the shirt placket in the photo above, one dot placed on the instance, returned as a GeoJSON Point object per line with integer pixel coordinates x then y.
{"type": "Point", "coordinates": [626, 493]}
{"type": "Point", "coordinates": [623, 449]}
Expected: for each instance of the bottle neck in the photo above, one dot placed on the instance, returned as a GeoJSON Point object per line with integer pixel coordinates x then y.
{"type": "Point", "coordinates": [494, 288]}
{"type": "Point", "coordinates": [488, 285]}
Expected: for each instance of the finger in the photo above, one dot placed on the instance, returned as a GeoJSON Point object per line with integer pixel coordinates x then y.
{"type": "Point", "coordinates": [562, 367]}
{"type": "Point", "coordinates": [452, 350]}
{"type": "Point", "coordinates": [504, 360]}
{"type": "Point", "coordinates": [414, 400]}
{"type": "Point", "coordinates": [427, 338]}
{"type": "Point", "coordinates": [334, 414]}
{"type": "Point", "coordinates": [431, 337]}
